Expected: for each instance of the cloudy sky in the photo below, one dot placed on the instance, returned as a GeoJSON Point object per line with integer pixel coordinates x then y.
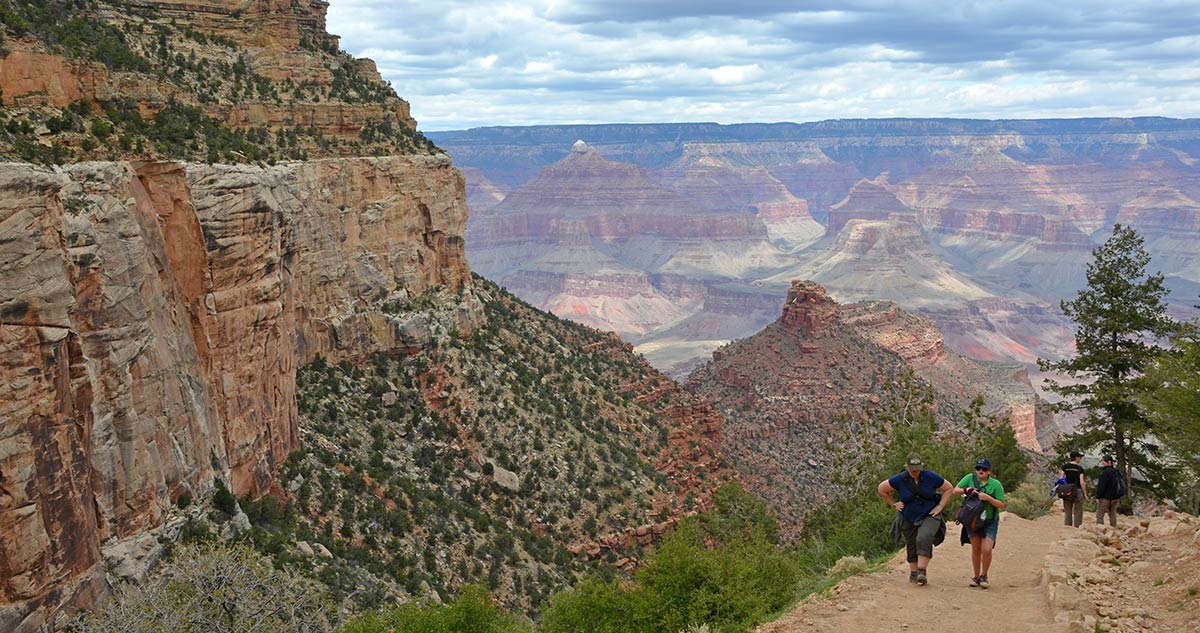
{"type": "Point", "coordinates": [478, 62]}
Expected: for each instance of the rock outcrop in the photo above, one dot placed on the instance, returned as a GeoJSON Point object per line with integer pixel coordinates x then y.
{"type": "Point", "coordinates": [152, 316]}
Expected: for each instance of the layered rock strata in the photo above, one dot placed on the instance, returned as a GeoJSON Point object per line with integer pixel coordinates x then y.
{"type": "Point", "coordinates": [152, 316]}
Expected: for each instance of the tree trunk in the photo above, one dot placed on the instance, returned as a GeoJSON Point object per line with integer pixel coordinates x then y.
{"type": "Point", "coordinates": [1122, 466]}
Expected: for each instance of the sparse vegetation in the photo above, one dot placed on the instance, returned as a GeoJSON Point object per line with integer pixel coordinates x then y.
{"type": "Point", "coordinates": [214, 588]}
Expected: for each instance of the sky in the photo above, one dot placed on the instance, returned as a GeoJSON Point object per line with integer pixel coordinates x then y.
{"type": "Point", "coordinates": [478, 62]}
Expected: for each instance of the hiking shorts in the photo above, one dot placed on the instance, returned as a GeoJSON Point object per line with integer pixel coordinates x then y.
{"type": "Point", "coordinates": [993, 526]}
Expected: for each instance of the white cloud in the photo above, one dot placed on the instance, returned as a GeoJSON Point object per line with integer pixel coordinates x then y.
{"type": "Point", "coordinates": [516, 62]}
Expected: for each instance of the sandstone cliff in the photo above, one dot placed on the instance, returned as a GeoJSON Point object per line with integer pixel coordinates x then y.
{"type": "Point", "coordinates": [153, 315]}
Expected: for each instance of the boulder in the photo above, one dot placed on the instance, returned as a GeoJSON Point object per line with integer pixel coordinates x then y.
{"type": "Point", "coordinates": [132, 559]}
{"type": "Point", "coordinates": [1163, 527]}
{"type": "Point", "coordinates": [504, 478]}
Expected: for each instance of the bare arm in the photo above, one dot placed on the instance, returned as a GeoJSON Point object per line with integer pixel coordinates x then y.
{"type": "Point", "coordinates": [1083, 485]}
{"type": "Point", "coordinates": [1000, 505]}
{"type": "Point", "coordinates": [885, 491]}
{"type": "Point", "coordinates": [946, 490]}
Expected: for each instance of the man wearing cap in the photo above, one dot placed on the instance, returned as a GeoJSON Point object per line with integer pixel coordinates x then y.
{"type": "Point", "coordinates": [991, 492]}
{"type": "Point", "coordinates": [1077, 493]}
{"type": "Point", "coordinates": [1108, 492]}
{"type": "Point", "coordinates": [923, 495]}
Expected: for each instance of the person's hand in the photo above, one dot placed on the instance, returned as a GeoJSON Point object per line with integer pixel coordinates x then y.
{"type": "Point", "coordinates": [985, 496]}
{"type": "Point", "coordinates": [899, 505]}
{"type": "Point", "coordinates": [969, 491]}
{"type": "Point", "coordinates": [937, 509]}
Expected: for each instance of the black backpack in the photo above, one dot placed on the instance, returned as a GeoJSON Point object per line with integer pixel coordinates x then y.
{"type": "Point", "coordinates": [971, 514]}
{"type": "Point", "coordinates": [1122, 487]}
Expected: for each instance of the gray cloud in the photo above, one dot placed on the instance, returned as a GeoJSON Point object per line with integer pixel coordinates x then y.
{"type": "Point", "coordinates": [464, 64]}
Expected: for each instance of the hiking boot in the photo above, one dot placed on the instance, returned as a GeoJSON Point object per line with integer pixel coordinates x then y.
{"type": "Point", "coordinates": [921, 579]}
{"type": "Point", "coordinates": [983, 582]}
{"type": "Point", "coordinates": [974, 581]}
{"type": "Point", "coordinates": [912, 577]}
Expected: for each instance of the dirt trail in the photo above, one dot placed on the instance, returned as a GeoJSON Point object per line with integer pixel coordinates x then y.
{"type": "Point", "coordinates": [886, 601]}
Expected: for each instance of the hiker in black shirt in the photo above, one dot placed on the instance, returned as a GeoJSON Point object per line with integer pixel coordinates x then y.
{"type": "Point", "coordinates": [1108, 492]}
{"type": "Point", "coordinates": [1077, 492]}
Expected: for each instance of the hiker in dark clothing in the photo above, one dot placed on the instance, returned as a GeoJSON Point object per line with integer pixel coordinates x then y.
{"type": "Point", "coordinates": [1075, 493]}
{"type": "Point", "coordinates": [923, 495]}
{"type": "Point", "coordinates": [1108, 492]}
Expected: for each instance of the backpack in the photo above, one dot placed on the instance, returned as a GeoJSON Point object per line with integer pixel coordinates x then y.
{"type": "Point", "coordinates": [1122, 487]}
{"type": "Point", "coordinates": [971, 514]}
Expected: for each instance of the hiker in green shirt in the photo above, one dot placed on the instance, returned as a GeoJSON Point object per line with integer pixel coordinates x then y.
{"type": "Point", "coordinates": [983, 539]}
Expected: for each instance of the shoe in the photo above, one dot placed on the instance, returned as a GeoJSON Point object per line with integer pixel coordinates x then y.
{"type": "Point", "coordinates": [921, 579]}
{"type": "Point", "coordinates": [974, 582]}
{"type": "Point", "coordinates": [912, 577]}
{"type": "Point", "coordinates": [983, 582]}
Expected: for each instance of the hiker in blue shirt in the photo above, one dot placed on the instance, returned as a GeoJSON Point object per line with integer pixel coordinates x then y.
{"type": "Point", "coordinates": [923, 496]}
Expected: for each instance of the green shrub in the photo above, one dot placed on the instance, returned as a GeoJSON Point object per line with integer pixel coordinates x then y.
{"type": "Point", "coordinates": [721, 569]}
{"type": "Point", "coordinates": [224, 500]}
{"type": "Point", "coordinates": [1030, 500]}
{"type": "Point", "coordinates": [472, 612]}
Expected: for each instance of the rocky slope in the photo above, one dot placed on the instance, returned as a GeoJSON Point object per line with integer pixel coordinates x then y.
{"type": "Point", "coordinates": [983, 225]}
{"type": "Point", "coordinates": [516, 457]}
{"type": "Point", "coordinates": [785, 390]}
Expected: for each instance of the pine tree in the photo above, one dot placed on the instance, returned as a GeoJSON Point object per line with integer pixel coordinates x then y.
{"type": "Point", "coordinates": [1172, 402]}
{"type": "Point", "coordinates": [1120, 317]}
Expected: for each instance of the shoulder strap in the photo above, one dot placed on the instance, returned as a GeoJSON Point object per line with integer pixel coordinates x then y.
{"type": "Point", "coordinates": [916, 489]}
{"type": "Point", "coordinates": [975, 478]}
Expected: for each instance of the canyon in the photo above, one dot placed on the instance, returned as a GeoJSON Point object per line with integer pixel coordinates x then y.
{"type": "Point", "coordinates": [983, 226]}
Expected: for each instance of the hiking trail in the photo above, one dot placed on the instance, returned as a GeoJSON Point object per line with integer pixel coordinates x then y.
{"type": "Point", "coordinates": [1045, 577]}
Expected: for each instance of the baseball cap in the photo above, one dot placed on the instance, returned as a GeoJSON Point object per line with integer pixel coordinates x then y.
{"type": "Point", "coordinates": [1106, 458]}
{"type": "Point", "coordinates": [984, 463]}
{"type": "Point", "coordinates": [1075, 454]}
{"type": "Point", "coordinates": [913, 461]}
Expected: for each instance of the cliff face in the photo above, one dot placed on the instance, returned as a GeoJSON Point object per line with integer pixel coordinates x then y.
{"type": "Point", "coordinates": [152, 316]}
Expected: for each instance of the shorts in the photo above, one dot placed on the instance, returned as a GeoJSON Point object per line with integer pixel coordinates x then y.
{"type": "Point", "coordinates": [993, 526]}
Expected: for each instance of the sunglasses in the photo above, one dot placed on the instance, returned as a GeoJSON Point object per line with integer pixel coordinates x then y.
{"type": "Point", "coordinates": [983, 470]}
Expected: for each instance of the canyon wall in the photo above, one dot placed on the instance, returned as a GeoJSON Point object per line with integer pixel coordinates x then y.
{"type": "Point", "coordinates": [152, 316]}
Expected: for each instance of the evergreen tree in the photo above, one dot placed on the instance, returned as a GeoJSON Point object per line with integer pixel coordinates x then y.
{"type": "Point", "coordinates": [1120, 317]}
{"type": "Point", "coordinates": [1172, 403]}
